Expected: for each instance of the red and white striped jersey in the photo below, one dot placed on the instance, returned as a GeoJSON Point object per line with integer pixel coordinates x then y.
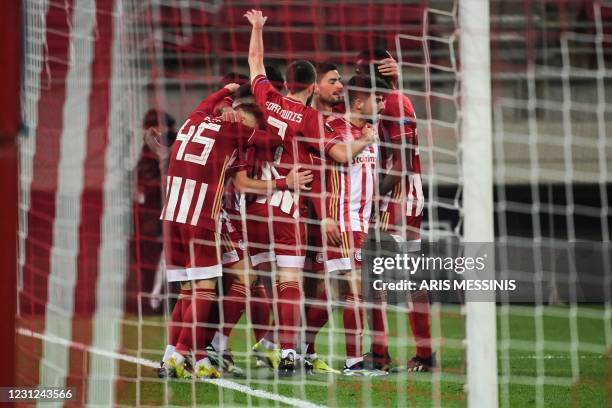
{"type": "Point", "coordinates": [397, 127]}
{"type": "Point", "coordinates": [297, 128]}
{"type": "Point", "coordinates": [350, 187]}
{"type": "Point", "coordinates": [204, 150]}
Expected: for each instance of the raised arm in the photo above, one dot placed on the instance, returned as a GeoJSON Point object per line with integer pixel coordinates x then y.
{"type": "Point", "coordinates": [256, 48]}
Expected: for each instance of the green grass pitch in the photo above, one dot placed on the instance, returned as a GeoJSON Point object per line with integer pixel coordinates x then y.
{"type": "Point", "coordinates": [579, 377]}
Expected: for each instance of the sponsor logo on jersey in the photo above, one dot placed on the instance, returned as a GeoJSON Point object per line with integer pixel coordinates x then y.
{"type": "Point", "coordinates": [364, 158]}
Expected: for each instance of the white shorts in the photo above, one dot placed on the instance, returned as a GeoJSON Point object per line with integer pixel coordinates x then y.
{"type": "Point", "coordinates": [290, 261]}
{"type": "Point", "coordinates": [174, 274]}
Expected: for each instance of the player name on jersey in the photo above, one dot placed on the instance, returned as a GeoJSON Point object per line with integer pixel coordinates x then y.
{"type": "Point", "coordinates": [284, 113]}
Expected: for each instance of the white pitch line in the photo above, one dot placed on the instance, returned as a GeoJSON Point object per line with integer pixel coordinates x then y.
{"type": "Point", "coordinates": [148, 363]}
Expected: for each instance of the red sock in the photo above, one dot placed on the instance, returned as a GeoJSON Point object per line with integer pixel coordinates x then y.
{"type": "Point", "coordinates": [380, 327]}
{"type": "Point", "coordinates": [186, 295]}
{"type": "Point", "coordinates": [419, 323]}
{"type": "Point", "coordinates": [178, 312]}
{"type": "Point", "coordinates": [260, 310]}
{"type": "Point", "coordinates": [353, 326]}
{"type": "Point", "coordinates": [234, 303]}
{"type": "Point", "coordinates": [289, 301]}
{"type": "Point", "coordinates": [205, 334]}
{"type": "Point", "coordinates": [202, 302]}
{"type": "Point", "coordinates": [316, 317]}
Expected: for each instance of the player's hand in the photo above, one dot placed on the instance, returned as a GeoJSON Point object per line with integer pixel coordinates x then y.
{"type": "Point", "coordinates": [388, 67]}
{"type": "Point", "coordinates": [232, 87]}
{"type": "Point", "coordinates": [256, 19]}
{"type": "Point", "coordinates": [332, 231]}
{"type": "Point", "coordinates": [298, 180]}
{"type": "Point", "coordinates": [368, 135]}
{"type": "Point", "coordinates": [230, 115]}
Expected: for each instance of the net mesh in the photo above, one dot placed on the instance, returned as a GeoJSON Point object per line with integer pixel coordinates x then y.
{"type": "Point", "coordinates": [94, 305]}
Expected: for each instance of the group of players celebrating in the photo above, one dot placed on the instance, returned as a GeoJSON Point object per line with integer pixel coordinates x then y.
{"type": "Point", "coordinates": [317, 168]}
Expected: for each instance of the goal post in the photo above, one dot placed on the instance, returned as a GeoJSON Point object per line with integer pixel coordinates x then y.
{"type": "Point", "coordinates": [477, 168]}
{"type": "Point", "coordinates": [10, 118]}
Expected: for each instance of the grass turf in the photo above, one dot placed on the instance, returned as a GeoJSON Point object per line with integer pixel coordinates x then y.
{"type": "Point", "coordinates": [531, 372]}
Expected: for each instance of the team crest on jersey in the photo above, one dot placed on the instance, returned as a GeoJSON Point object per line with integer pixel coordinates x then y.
{"type": "Point", "coordinates": [241, 245]}
{"type": "Point", "coordinates": [319, 257]}
{"type": "Point", "coordinates": [358, 255]}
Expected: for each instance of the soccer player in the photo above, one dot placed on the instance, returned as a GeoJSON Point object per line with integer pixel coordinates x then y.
{"type": "Point", "coordinates": [350, 178]}
{"type": "Point", "coordinates": [401, 209]}
{"type": "Point", "coordinates": [299, 127]}
{"type": "Point", "coordinates": [234, 301]}
{"type": "Point", "coordinates": [287, 118]}
{"type": "Point", "coordinates": [328, 92]}
{"type": "Point", "coordinates": [203, 110]}
{"type": "Point", "coordinates": [199, 161]}
{"type": "Point", "coordinates": [261, 254]}
{"type": "Point", "coordinates": [258, 234]}
{"type": "Point", "coordinates": [329, 100]}
{"type": "Point", "coordinates": [329, 95]}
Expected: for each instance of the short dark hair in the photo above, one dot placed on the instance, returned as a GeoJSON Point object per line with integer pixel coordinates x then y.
{"type": "Point", "coordinates": [275, 77]}
{"type": "Point", "coordinates": [376, 54]}
{"type": "Point", "coordinates": [362, 81]}
{"type": "Point", "coordinates": [234, 78]}
{"type": "Point", "coordinates": [253, 110]}
{"type": "Point", "coordinates": [300, 75]}
{"type": "Point", "coordinates": [324, 67]}
{"type": "Point", "coordinates": [244, 100]}
{"type": "Point", "coordinates": [365, 59]}
{"type": "Point", "coordinates": [244, 91]}
{"type": "Point", "coordinates": [154, 116]}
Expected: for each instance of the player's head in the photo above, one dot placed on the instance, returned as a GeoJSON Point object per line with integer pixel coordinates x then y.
{"type": "Point", "coordinates": [244, 103]}
{"type": "Point", "coordinates": [301, 77]}
{"type": "Point", "coordinates": [275, 77]}
{"type": "Point", "coordinates": [366, 97]}
{"type": "Point", "coordinates": [157, 118]}
{"type": "Point", "coordinates": [164, 122]}
{"type": "Point", "coordinates": [234, 78]}
{"type": "Point", "coordinates": [371, 59]}
{"type": "Point", "coordinates": [329, 84]}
